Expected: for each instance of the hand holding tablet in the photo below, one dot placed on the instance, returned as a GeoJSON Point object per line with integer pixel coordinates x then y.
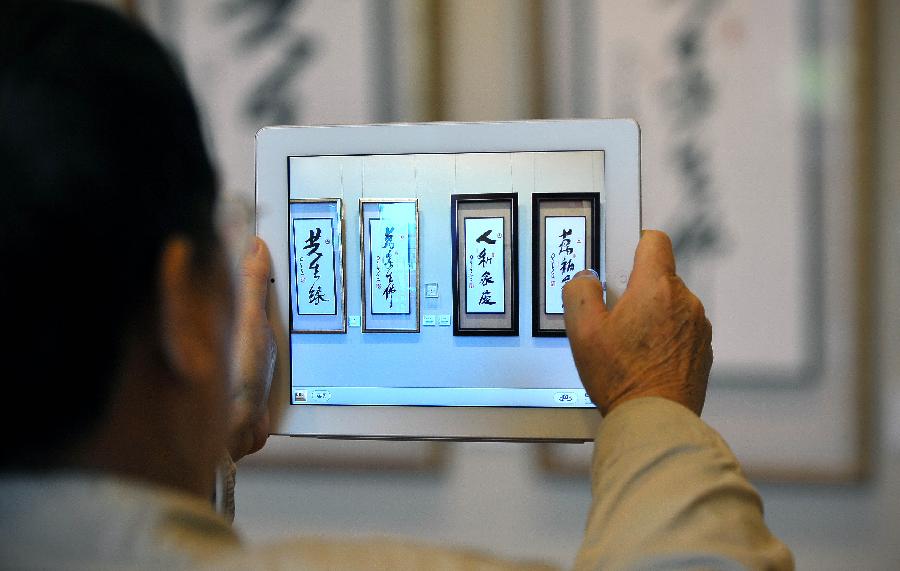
{"type": "Point", "coordinates": [416, 233]}
{"type": "Point", "coordinates": [655, 343]}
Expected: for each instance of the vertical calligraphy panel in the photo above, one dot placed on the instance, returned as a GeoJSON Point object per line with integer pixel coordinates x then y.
{"type": "Point", "coordinates": [729, 163]}
{"type": "Point", "coordinates": [389, 261]}
{"type": "Point", "coordinates": [316, 287]}
{"type": "Point", "coordinates": [485, 263]}
{"type": "Point", "coordinates": [564, 256]}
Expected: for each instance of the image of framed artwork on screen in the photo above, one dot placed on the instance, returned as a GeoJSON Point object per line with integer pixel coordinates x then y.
{"type": "Point", "coordinates": [565, 240]}
{"type": "Point", "coordinates": [389, 258]}
{"type": "Point", "coordinates": [485, 264]}
{"type": "Point", "coordinates": [318, 295]}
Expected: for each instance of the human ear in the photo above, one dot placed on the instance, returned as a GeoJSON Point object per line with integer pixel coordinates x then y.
{"type": "Point", "coordinates": [191, 335]}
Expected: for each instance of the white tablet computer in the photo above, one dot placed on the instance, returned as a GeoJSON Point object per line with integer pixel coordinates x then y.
{"type": "Point", "coordinates": [418, 271]}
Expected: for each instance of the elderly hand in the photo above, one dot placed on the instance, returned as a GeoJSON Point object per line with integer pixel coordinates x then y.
{"type": "Point", "coordinates": [254, 350]}
{"type": "Point", "coordinates": [655, 342]}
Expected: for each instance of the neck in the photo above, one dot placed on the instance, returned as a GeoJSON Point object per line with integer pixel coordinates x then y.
{"type": "Point", "coordinates": [144, 436]}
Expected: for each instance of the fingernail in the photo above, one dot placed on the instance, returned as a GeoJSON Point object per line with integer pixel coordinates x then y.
{"type": "Point", "coordinates": [588, 273]}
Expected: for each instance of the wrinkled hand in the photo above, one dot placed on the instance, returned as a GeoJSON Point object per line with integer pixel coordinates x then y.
{"type": "Point", "coordinates": [655, 342]}
{"type": "Point", "coordinates": [254, 351]}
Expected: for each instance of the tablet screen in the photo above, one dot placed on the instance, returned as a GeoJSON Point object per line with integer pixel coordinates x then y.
{"type": "Point", "coordinates": [435, 279]}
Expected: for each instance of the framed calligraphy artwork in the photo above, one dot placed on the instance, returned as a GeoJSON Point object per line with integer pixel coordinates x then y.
{"type": "Point", "coordinates": [566, 238]}
{"type": "Point", "coordinates": [389, 253]}
{"type": "Point", "coordinates": [756, 124]}
{"type": "Point", "coordinates": [251, 64]}
{"type": "Point", "coordinates": [485, 264]}
{"type": "Point", "coordinates": [318, 296]}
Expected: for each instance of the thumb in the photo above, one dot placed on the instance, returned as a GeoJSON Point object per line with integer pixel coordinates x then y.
{"type": "Point", "coordinates": [652, 259]}
{"type": "Point", "coordinates": [255, 271]}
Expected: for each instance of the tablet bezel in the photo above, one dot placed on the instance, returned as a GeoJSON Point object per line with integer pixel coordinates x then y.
{"type": "Point", "coordinates": [619, 139]}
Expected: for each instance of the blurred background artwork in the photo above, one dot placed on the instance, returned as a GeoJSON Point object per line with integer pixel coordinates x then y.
{"type": "Point", "coordinates": [736, 110]}
{"type": "Point", "coordinates": [270, 62]}
{"type": "Point", "coordinates": [768, 156]}
{"type": "Point", "coordinates": [711, 82]}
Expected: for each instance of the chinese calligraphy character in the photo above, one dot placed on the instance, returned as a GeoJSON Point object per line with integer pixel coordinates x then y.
{"type": "Point", "coordinates": [389, 291]}
{"type": "Point", "coordinates": [316, 296]}
{"type": "Point", "coordinates": [272, 99]}
{"type": "Point", "coordinates": [486, 278]}
{"type": "Point", "coordinates": [484, 258]}
{"type": "Point", "coordinates": [486, 237]}
{"type": "Point", "coordinates": [312, 244]}
{"type": "Point", "coordinates": [565, 243]}
{"type": "Point", "coordinates": [486, 298]}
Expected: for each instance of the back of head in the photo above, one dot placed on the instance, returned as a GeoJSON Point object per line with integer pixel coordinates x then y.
{"type": "Point", "coordinates": [102, 160]}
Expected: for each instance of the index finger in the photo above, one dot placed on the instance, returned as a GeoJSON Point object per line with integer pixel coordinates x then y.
{"type": "Point", "coordinates": [582, 301]}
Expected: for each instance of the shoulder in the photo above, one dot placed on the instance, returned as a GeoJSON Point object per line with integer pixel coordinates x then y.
{"type": "Point", "coordinates": [310, 553]}
{"type": "Point", "coordinates": [94, 521]}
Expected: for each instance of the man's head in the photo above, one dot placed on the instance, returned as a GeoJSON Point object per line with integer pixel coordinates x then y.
{"type": "Point", "coordinates": [110, 258]}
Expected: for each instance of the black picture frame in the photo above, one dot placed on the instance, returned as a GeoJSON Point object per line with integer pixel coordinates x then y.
{"type": "Point", "coordinates": [538, 249]}
{"type": "Point", "coordinates": [486, 324]}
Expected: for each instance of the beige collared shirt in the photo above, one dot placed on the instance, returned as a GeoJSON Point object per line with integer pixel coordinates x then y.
{"type": "Point", "coordinates": [668, 494]}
